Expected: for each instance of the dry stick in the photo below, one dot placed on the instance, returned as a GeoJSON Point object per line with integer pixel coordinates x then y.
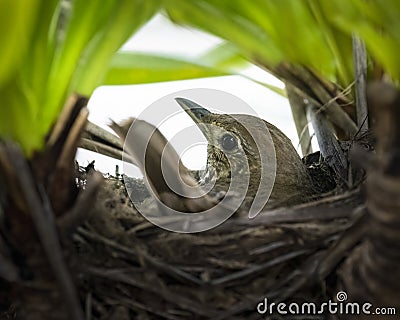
{"type": "Point", "coordinates": [329, 146]}
{"type": "Point", "coordinates": [104, 149]}
{"type": "Point", "coordinates": [42, 217]}
{"type": "Point", "coordinates": [295, 284]}
{"type": "Point", "coordinates": [88, 306]}
{"type": "Point", "coordinates": [297, 279]}
{"type": "Point", "coordinates": [329, 208]}
{"type": "Point", "coordinates": [101, 148]}
{"type": "Point", "coordinates": [175, 272]}
{"type": "Point", "coordinates": [70, 144]}
{"type": "Point", "coordinates": [345, 243]}
{"type": "Point", "coordinates": [287, 287]}
{"type": "Point", "coordinates": [44, 165]}
{"type": "Point", "coordinates": [169, 296]}
{"type": "Point", "coordinates": [61, 182]}
{"type": "Point", "coordinates": [333, 110]}
{"type": "Point", "coordinates": [360, 75]}
{"type": "Point", "coordinates": [315, 90]}
{"type": "Point", "coordinates": [81, 210]}
{"type": "Point", "coordinates": [63, 119]}
{"type": "Point", "coordinates": [260, 267]}
{"type": "Point", "coordinates": [299, 113]}
{"type": "Point", "coordinates": [101, 141]}
{"type": "Point", "coordinates": [99, 134]}
{"type": "Point", "coordinates": [311, 268]}
{"type": "Point", "coordinates": [113, 299]}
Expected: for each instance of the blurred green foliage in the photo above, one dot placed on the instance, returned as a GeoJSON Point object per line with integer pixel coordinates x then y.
{"type": "Point", "coordinates": [312, 33]}
{"type": "Point", "coordinates": [376, 22]}
{"type": "Point", "coordinates": [51, 48]}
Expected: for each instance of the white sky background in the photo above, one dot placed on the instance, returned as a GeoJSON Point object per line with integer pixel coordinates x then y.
{"type": "Point", "coordinates": [162, 37]}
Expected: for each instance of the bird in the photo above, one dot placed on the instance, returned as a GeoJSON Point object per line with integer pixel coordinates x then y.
{"type": "Point", "coordinates": [229, 134]}
{"type": "Point", "coordinates": [242, 149]}
{"type": "Point", "coordinates": [176, 200]}
{"type": "Point", "coordinates": [166, 177]}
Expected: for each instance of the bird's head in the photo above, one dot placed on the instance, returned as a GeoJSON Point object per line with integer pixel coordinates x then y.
{"type": "Point", "coordinates": [245, 145]}
{"type": "Point", "coordinates": [232, 148]}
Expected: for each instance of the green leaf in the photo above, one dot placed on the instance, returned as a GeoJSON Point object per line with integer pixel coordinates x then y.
{"type": "Point", "coordinates": [376, 22]}
{"type": "Point", "coordinates": [17, 18]}
{"type": "Point", "coordinates": [134, 68]}
{"type": "Point", "coordinates": [110, 38]}
{"type": "Point", "coordinates": [227, 57]}
{"type": "Point", "coordinates": [312, 33]}
{"type": "Point", "coordinates": [96, 29]}
{"type": "Point", "coordinates": [53, 48]}
{"type": "Point", "coordinates": [224, 56]}
{"type": "Point", "coordinates": [270, 32]}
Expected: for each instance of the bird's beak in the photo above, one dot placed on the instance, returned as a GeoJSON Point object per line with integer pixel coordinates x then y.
{"type": "Point", "coordinates": [196, 112]}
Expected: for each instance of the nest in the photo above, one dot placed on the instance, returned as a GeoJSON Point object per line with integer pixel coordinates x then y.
{"type": "Point", "coordinates": [92, 253]}
{"type": "Point", "coordinates": [91, 250]}
{"type": "Point", "coordinates": [128, 266]}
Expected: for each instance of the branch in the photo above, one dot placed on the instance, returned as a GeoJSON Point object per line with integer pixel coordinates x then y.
{"type": "Point", "coordinates": [329, 146]}
{"type": "Point", "coordinates": [360, 75]}
{"type": "Point", "coordinates": [299, 113]}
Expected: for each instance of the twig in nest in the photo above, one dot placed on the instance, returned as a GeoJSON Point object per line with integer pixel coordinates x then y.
{"type": "Point", "coordinates": [122, 276]}
{"type": "Point", "coordinates": [326, 209]}
{"type": "Point", "coordinates": [345, 244]}
{"type": "Point", "coordinates": [258, 268]}
{"type": "Point", "coordinates": [79, 213]}
{"type": "Point", "coordinates": [174, 272]}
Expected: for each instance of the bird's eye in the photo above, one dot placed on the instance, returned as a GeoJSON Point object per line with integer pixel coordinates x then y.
{"type": "Point", "coordinates": [228, 142]}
